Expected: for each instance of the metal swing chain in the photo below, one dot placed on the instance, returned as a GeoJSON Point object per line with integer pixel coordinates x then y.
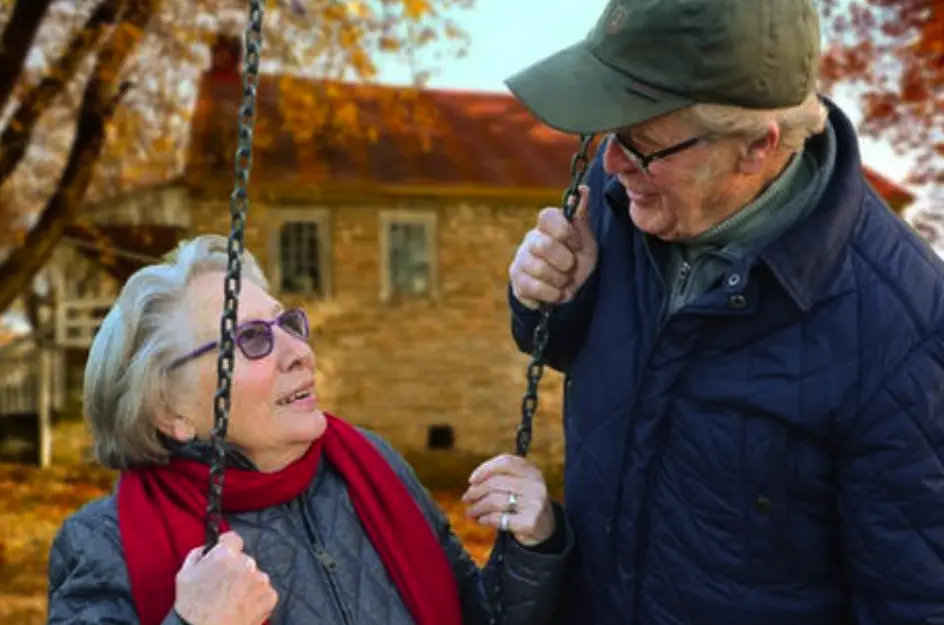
{"type": "Point", "coordinates": [529, 403]}
{"type": "Point", "coordinates": [239, 205]}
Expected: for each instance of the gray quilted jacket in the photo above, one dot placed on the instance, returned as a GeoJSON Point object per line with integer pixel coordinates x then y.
{"type": "Point", "coordinates": [318, 558]}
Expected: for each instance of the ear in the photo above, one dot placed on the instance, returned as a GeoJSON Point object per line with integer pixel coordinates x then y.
{"type": "Point", "coordinates": [757, 153]}
{"type": "Point", "coordinates": [171, 422]}
{"type": "Point", "coordinates": [177, 428]}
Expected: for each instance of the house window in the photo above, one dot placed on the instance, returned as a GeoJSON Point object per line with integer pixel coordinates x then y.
{"type": "Point", "coordinates": [301, 241]}
{"type": "Point", "coordinates": [408, 254]}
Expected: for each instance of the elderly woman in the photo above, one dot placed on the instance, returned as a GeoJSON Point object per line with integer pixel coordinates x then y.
{"type": "Point", "coordinates": [324, 523]}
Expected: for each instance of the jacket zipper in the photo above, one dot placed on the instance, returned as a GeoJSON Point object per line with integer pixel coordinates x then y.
{"type": "Point", "coordinates": [681, 283]}
{"type": "Point", "coordinates": [629, 441]}
{"type": "Point", "coordinates": [327, 563]}
{"type": "Point", "coordinates": [683, 274]}
{"type": "Point", "coordinates": [681, 287]}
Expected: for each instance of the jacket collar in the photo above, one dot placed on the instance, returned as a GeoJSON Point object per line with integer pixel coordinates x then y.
{"type": "Point", "coordinates": [806, 256]}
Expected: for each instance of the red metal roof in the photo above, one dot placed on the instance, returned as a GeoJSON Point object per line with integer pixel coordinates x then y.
{"type": "Point", "coordinates": [309, 133]}
{"type": "Point", "coordinates": [399, 136]}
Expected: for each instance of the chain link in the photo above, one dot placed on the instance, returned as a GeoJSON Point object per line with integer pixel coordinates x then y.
{"type": "Point", "coordinates": [529, 403]}
{"type": "Point", "coordinates": [239, 206]}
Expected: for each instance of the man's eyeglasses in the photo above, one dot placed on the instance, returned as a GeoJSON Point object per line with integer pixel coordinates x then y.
{"type": "Point", "coordinates": [255, 338]}
{"type": "Point", "coordinates": [643, 161]}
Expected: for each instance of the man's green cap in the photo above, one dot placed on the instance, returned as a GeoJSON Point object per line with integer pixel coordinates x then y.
{"type": "Point", "coordinates": [646, 58]}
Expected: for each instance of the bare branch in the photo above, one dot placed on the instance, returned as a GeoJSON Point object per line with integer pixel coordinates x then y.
{"type": "Point", "coordinates": [17, 39]}
{"type": "Point", "coordinates": [16, 136]}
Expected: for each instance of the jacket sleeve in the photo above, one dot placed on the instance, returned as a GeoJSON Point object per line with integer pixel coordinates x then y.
{"type": "Point", "coordinates": [891, 483]}
{"type": "Point", "coordinates": [569, 322]}
{"type": "Point", "coordinates": [88, 581]}
{"type": "Point", "coordinates": [532, 579]}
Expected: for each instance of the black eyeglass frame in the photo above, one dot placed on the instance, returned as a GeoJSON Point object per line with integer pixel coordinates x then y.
{"type": "Point", "coordinates": [643, 161]}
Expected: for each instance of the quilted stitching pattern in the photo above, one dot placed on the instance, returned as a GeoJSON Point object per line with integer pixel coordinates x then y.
{"type": "Point", "coordinates": [780, 463]}
{"type": "Point", "coordinates": [316, 554]}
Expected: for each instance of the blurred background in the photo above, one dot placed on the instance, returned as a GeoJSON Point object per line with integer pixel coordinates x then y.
{"type": "Point", "coordinates": [393, 178]}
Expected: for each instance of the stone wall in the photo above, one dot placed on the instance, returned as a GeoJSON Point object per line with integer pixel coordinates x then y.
{"type": "Point", "coordinates": [401, 367]}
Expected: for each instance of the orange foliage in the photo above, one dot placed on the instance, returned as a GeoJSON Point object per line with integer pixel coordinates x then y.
{"type": "Point", "coordinates": [333, 135]}
{"type": "Point", "coordinates": [892, 51]}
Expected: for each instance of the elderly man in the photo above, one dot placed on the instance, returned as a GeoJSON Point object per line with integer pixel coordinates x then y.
{"type": "Point", "coordinates": [753, 343]}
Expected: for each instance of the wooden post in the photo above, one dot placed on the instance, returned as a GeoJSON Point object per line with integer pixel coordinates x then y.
{"type": "Point", "coordinates": [44, 405]}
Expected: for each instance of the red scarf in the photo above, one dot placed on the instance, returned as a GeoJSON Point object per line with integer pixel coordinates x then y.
{"type": "Point", "coordinates": [161, 514]}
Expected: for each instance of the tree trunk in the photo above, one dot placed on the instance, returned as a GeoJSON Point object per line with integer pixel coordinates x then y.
{"type": "Point", "coordinates": [102, 95]}
{"type": "Point", "coordinates": [16, 136]}
{"type": "Point", "coordinates": [16, 42]}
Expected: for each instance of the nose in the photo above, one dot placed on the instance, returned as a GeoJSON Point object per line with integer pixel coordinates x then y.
{"type": "Point", "coordinates": [293, 352]}
{"type": "Point", "coordinates": [617, 161]}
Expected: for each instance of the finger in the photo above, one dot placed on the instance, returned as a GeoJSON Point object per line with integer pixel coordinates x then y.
{"type": "Point", "coordinates": [543, 271]}
{"type": "Point", "coordinates": [552, 222]}
{"type": "Point", "coordinates": [529, 288]}
{"type": "Point", "coordinates": [583, 204]}
{"type": "Point", "coordinates": [582, 221]}
{"type": "Point", "coordinates": [518, 524]}
{"type": "Point", "coordinates": [504, 464]}
{"type": "Point", "coordinates": [268, 597]}
{"type": "Point", "coordinates": [494, 503]}
{"type": "Point", "coordinates": [498, 483]}
{"type": "Point", "coordinates": [192, 558]}
{"type": "Point", "coordinates": [549, 249]}
{"type": "Point", "coordinates": [251, 563]}
{"type": "Point", "coordinates": [228, 550]}
{"type": "Point", "coordinates": [522, 487]}
{"type": "Point", "coordinates": [232, 541]}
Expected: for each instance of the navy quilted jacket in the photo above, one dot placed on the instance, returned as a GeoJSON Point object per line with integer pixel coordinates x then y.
{"type": "Point", "coordinates": [774, 453]}
{"type": "Point", "coordinates": [317, 556]}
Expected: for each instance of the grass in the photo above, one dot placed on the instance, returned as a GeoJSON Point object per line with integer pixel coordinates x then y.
{"type": "Point", "coordinates": [33, 503]}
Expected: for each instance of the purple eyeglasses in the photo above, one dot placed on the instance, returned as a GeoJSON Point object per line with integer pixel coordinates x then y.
{"type": "Point", "coordinates": [254, 338]}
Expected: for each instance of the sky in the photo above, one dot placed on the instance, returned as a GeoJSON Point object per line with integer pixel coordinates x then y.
{"type": "Point", "coordinates": [505, 37]}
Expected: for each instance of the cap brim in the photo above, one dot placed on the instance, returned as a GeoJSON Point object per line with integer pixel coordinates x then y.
{"type": "Point", "coordinates": [574, 92]}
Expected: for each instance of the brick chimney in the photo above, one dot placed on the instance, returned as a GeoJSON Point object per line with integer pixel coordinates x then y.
{"type": "Point", "coordinates": [226, 58]}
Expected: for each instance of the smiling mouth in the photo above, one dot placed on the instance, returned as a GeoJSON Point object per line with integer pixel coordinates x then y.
{"type": "Point", "coordinates": [285, 401]}
{"type": "Point", "coordinates": [641, 197]}
{"type": "Point", "coordinates": [635, 193]}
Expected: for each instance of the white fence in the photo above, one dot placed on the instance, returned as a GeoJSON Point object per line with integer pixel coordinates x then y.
{"type": "Point", "coordinates": [19, 377]}
{"type": "Point", "coordinates": [29, 386]}
{"type": "Point", "coordinates": [78, 320]}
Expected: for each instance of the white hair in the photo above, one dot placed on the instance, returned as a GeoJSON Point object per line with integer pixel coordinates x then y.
{"type": "Point", "coordinates": [127, 382]}
{"type": "Point", "coordinates": [797, 123]}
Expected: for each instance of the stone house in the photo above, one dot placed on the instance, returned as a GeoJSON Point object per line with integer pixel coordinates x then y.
{"type": "Point", "coordinates": [390, 213]}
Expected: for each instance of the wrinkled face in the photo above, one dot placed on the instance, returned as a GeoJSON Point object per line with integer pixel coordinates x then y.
{"type": "Point", "coordinates": [682, 194]}
{"type": "Point", "coordinates": [274, 413]}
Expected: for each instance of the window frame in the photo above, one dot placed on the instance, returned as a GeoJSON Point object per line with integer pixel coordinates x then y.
{"type": "Point", "coordinates": [319, 216]}
{"type": "Point", "coordinates": [428, 219]}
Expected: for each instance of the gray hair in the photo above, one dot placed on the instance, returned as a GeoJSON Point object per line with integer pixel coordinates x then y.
{"type": "Point", "coordinates": [797, 124]}
{"type": "Point", "coordinates": [127, 382]}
